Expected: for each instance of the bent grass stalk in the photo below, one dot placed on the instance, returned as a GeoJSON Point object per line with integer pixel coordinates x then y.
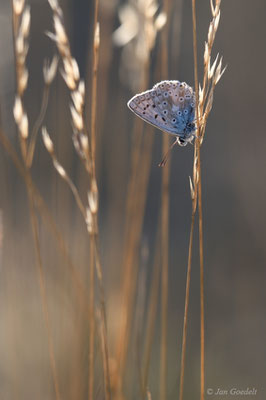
{"type": "Point", "coordinates": [85, 148]}
{"type": "Point", "coordinates": [21, 22]}
{"type": "Point", "coordinates": [204, 101]}
{"type": "Point", "coordinates": [49, 222]}
{"type": "Point", "coordinates": [21, 27]}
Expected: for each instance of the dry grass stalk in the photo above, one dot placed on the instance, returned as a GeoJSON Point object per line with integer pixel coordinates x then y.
{"type": "Point", "coordinates": [93, 208]}
{"type": "Point", "coordinates": [96, 44]}
{"type": "Point", "coordinates": [204, 101]}
{"type": "Point", "coordinates": [131, 262]}
{"type": "Point", "coordinates": [85, 148]}
{"type": "Point", "coordinates": [102, 337]}
{"type": "Point", "coordinates": [48, 221]}
{"type": "Point", "coordinates": [21, 28]}
{"type": "Point", "coordinates": [139, 26]}
{"type": "Point", "coordinates": [152, 314]}
{"type": "Point", "coordinates": [49, 72]}
{"type": "Point", "coordinates": [164, 226]}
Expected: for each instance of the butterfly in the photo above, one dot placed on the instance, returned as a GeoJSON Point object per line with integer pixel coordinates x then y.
{"type": "Point", "coordinates": [169, 106]}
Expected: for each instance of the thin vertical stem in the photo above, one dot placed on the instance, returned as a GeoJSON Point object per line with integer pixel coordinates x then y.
{"type": "Point", "coordinates": [94, 81]}
{"type": "Point", "coordinates": [198, 189]}
{"type": "Point", "coordinates": [94, 249]}
{"type": "Point", "coordinates": [164, 227]}
{"type": "Point", "coordinates": [184, 341]}
{"type": "Point", "coordinates": [152, 313]}
{"type": "Point", "coordinates": [135, 208]}
{"type": "Point", "coordinates": [202, 330]}
{"type": "Point", "coordinates": [92, 242]}
{"type": "Point", "coordinates": [43, 291]}
{"type": "Point", "coordinates": [20, 69]}
{"type": "Point", "coordinates": [164, 276]}
{"type": "Point", "coordinates": [129, 284]}
{"type": "Point", "coordinates": [92, 322]}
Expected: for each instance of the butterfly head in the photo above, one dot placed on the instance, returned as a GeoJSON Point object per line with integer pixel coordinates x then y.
{"type": "Point", "coordinates": [188, 134]}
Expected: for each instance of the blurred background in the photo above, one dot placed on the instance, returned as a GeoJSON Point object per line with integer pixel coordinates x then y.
{"type": "Point", "coordinates": [234, 196]}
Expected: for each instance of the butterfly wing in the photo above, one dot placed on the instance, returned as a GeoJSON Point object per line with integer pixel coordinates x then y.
{"type": "Point", "coordinates": [169, 106]}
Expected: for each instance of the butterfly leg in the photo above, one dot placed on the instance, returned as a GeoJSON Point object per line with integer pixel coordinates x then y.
{"type": "Point", "coordinates": [164, 160]}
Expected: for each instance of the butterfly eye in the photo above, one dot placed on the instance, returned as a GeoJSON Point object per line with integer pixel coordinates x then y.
{"type": "Point", "coordinates": [185, 111]}
{"type": "Point", "coordinates": [174, 120]}
{"type": "Point", "coordinates": [165, 112]}
{"type": "Point", "coordinates": [179, 113]}
{"type": "Point", "coordinates": [165, 94]}
{"type": "Point", "coordinates": [181, 99]}
{"type": "Point", "coordinates": [164, 103]}
{"type": "Point", "coordinates": [192, 105]}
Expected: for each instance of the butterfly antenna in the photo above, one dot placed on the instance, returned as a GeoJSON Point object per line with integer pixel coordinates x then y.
{"type": "Point", "coordinates": [164, 160]}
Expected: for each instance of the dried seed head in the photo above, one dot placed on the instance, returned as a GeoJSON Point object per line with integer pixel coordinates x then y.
{"type": "Point", "coordinates": [18, 6]}
{"type": "Point", "coordinates": [89, 220]}
{"type": "Point", "coordinates": [68, 67]}
{"type": "Point", "coordinates": [137, 32]}
{"type": "Point", "coordinates": [76, 141]}
{"type": "Point", "coordinates": [212, 7]}
{"type": "Point", "coordinates": [211, 33]}
{"type": "Point", "coordinates": [71, 72]}
{"type": "Point", "coordinates": [23, 81]}
{"type": "Point", "coordinates": [49, 70]}
{"type": "Point", "coordinates": [200, 95]}
{"type": "Point", "coordinates": [212, 69]}
{"type": "Point", "coordinates": [192, 192]}
{"type": "Point", "coordinates": [47, 140]}
{"type": "Point", "coordinates": [81, 88]}
{"type": "Point", "coordinates": [77, 100]}
{"type": "Point", "coordinates": [59, 168]}
{"type": "Point", "coordinates": [216, 21]}
{"type": "Point", "coordinates": [25, 22]}
{"type": "Point", "coordinates": [18, 110]}
{"type": "Point", "coordinates": [160, 21]}
{"type": "Point", "coordinates": [61, 36]}
{"type": "Point", "coordinates": [75, 69]}
{"type": "Point", "coordinates": [206, 54]}
{"type": "Point", "coordinates": [195, 171]}
{"type": "Point", "coordinates": [93, 197]}
{"type": "Point", "coordinates": [84, 143]}
{"type": "Point", "coordinates": [97, 36]}
{"type": "Point", "coordinates": [51, 35]}
{"type": "Point", "coordinates": [209, 103]}
{"type": "Point", "coordinates": [218, 73]}
{"type": "Point", "coordinates": [19, 44]}
{"type": "Point", "coordinates": [24, 126]}
{"type": "Point", "coordinates": [93, 202]}
{"type": "Point", "coordinates": [76, 118]}
{"type": "Point", "coordinates": [54, 5]}
{"type": "Point", "coordinates": [70, 82]}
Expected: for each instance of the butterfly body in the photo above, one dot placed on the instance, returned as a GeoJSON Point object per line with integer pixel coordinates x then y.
{"type": "Point", "coordinates": [169, 106]}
